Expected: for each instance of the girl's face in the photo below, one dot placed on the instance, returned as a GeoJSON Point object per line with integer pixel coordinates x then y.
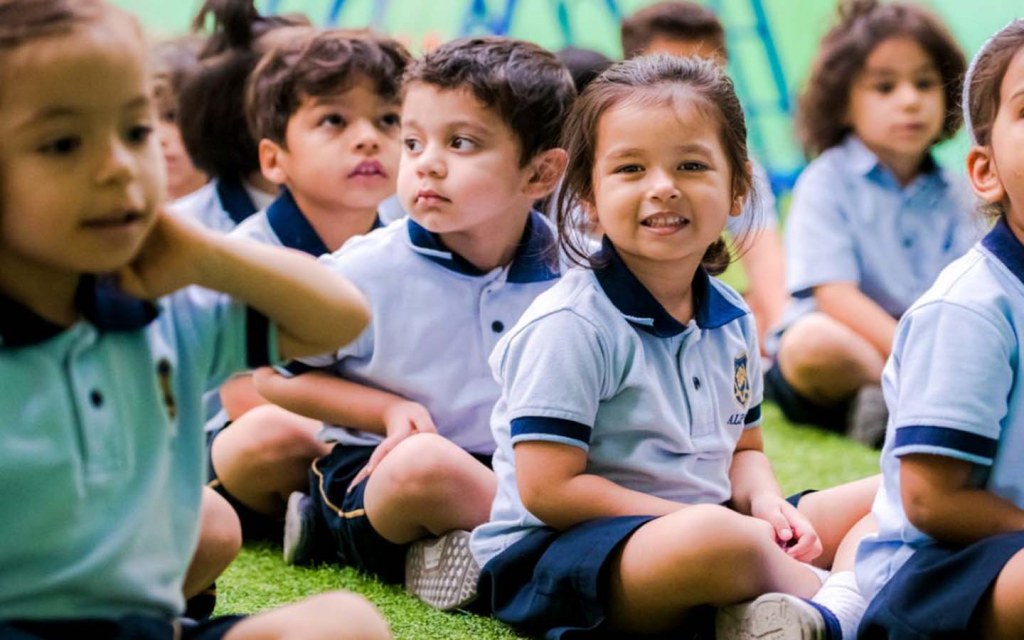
{"type": "Point", "coordinates": [897, 106]}
{"type": "Point", "coordinates": [182, 176]}
{"type": "Point", "coordinates": [82, 176]}
{"type": "Point", "coordinates": [662, 183]}
{"type": "Point", "coordinates": [997, 171]}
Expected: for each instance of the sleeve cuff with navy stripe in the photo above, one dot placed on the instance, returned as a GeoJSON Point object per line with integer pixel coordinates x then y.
{"type": "Point", "coordinates": [753, 416]}
{"type": "Point", "coordinates": [944, 441]}
{"type": "Point", "coordinates": [293, 368]}
{"type": "Point", "coordinates": [530, 428]}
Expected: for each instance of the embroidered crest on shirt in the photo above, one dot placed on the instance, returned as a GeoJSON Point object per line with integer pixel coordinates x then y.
{"type": "Point", "coordinates": [163, 371]}
{"type": "Point", "coordinates": [740, 381]}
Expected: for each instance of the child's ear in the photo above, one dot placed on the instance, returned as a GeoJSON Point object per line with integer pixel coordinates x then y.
{"type": "Point", "coordinates": [984, 175]}
{"type": "Point", "coordinates": [271, 155]}
{"type": "Point", "coordinates": [546, 170]}
{"type": "Point", "coordinates": [739, 197]}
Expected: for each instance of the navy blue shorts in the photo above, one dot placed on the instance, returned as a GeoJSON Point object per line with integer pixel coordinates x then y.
{"type": "Point", "coordinates": [554, 584]}
{"type": "Point", "coordinates": [800, 409]}
{"type": "Point", "coordinates": [347, 529]}
{"type": "Point", "coordinates": [256, 526]}
{"type": "Point", "coordinates": [938, 592]}
{"type": "Point", "coordinates": [127, 628]}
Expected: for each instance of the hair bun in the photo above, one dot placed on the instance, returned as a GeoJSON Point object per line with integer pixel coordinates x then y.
{"type": "Point", "coordinates": [851, 10]}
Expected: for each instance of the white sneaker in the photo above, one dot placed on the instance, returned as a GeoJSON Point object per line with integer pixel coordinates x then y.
{"type": "Point", "coordinates": [441, 571]}
{"type": "Point", "coordinates": [774, 616]}
{"type": "Point", "coordinates": [299, 522]}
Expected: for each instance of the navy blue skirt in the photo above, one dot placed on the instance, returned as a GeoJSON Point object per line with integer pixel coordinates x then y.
{"type": "Point", "coordinates": [938, 592]}
{"type": "Point", "coordinates": [555, 583]}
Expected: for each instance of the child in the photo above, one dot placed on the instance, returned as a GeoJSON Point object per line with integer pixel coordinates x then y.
{"type": "Point", "coordinates": [632, 486]}
{"type": "Point", "coordinates": [102, 389]}
{"type": "Point", "coordinates": [325, 109]}
{"type": "Point", "coordinates": [688, 29]}
{"type": "Point", "coordinates": [410, 402]}
{"type": "Point", "coordinates": [212, 113]}
{"type": "Point", "coordinates": [874, 218]}
{"type": "Point", "coordinates": [947, 560]}
{"type": "Point", "coordinates": [173, 60]}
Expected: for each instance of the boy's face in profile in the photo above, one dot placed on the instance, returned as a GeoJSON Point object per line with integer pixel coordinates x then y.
{"type": "Point", "coordinates": [341, 151]}
{"type": "Point", "coordinates": [82, 175]}
{"type": "Point", "coordinates": [460, 171]}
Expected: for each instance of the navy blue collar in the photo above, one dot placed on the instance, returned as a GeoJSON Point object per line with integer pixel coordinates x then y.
{"type": "Point", "coordinates": [1004, 245]}
{"type": "Point", "coordinates": [638, 306]}
{"type": "Point", "coordinates": [234, 199]}
{"type": "Point", "coordinates": [97, 298]}
{"type": "Point", "coordinates": [293, 228]}
{"type": "Point", "coordinates": [532, 261]}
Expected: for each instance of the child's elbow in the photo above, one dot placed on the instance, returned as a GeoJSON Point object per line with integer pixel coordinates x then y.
{"type": "Point", "coordinates": [925, 510]}
{"type": "Point", "coordinates": [543, 503]}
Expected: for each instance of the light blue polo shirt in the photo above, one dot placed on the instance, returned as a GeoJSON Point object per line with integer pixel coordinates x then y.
{"type": "Point", "coordinates": [102, 452]}
{"type": "Point", "coordinates": [220, 205]}
{"type": "Point", "coordinates": [597, 363]}
{"type": "Point", "coordinates": [955, 388]}
{"type": "Point", "coordinates": [851, 221]}
{"type": "Point", "coordinates": [436, 319]}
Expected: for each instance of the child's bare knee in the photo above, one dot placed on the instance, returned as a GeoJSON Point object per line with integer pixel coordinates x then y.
{"type": "Point", "coordinates": [348, 615]}
{"type": "Point", "coordinates": [220, 532]}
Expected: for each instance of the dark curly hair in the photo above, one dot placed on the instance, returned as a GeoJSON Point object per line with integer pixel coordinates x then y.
{"type": "Point", "coordinates": [863, 25]}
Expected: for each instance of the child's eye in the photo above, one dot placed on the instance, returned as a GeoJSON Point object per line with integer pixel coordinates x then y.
{"type": "Point", "coordinates": [885, 87]}
{"type": "Point", "coordinates": [139, 134]}
{"type": "Point", "coordinates": [693, 166]}
{"type": "Point", "coordinates": [462, 143]}
{"type": "Point", "coordinates": [61, 146]}
{"type": "Point", "coordinates": [170, 116]}
{"type": "Point", "coordinates": [332, 120]}
{"type": "Point", "coordinates": [390, 120]}
{"type": "Point", "coordinates": [924, 84]}
{"type": "Point", "coordinates": [628, 168]}
{"type": "Point", "coordinates": [413, 145]}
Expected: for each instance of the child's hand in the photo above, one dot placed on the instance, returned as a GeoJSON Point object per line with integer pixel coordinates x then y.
{"type": "Point", "coordinates": [793, 532]}
{"type": "Point", "coordinates": [167, 260]}
{"type": "Point", "coordinates": [402, 420]}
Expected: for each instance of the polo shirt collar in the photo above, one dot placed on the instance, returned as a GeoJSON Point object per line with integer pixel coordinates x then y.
{"type": "Point", "coordinates": [293, 228]}
{"type": "Point", "coordinates": [97, 298]}
{"type": "Point", "coordinates": [864, 162]}
{"type": "Point", "coordinates": [639, 307]}
{"type": "Point", "coordinates": [1005, 246]}
{"type": "Point", "coordinates": [234, 199]}
{"type": "Point", "coordinates": [532, 261]}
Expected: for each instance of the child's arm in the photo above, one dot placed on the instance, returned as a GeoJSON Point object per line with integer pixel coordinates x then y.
{"type": "Point", "coordinates": [939, 501]}
{"type": "Point", "coordinates": [756, 492]}
{"type": "Point", "coordinates": [844, 302]}
{"type": "Point", "coordinates": [315, 309]}
{"type": "Point", "coordinates": [554, 486]}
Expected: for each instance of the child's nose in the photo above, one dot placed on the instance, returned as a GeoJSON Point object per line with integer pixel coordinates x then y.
{"type": "Point", "coordinates": [429, 163]}
{"type": "Point", "coordinates": [118, 163]}
{"type": "Point", "coordinates": [367, 137]}
{"type": "Point", "coordinates": [663, 187]}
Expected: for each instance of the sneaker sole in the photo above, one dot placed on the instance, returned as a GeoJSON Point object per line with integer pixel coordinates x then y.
{"type": "Point", "coordinates": [295, 546]}
{"type": "Point", "coordinates": [773, 616]}
{"type": "Point", "coordinates": [442, 572]}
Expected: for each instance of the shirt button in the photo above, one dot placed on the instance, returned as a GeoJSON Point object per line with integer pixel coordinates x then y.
{"type": "Point", "coordinates": [696, 383]}
{"type": "Point", "coordinates": [908, 242]}
{"type": "Point", "coordinates": [497, 326]}
{"type": "Point", "coordinates": [96, 398]}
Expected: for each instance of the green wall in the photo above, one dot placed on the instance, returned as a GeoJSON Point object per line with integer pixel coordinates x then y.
{"type": "Point", "coordinates": [796, 26]}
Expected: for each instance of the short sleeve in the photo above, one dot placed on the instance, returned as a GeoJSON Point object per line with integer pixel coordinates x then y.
{"type": "Point", "coordinates": [954, 378]}
{"type": "Point", "coordinates": [819, 242]}
{"type": "Point", "coordinates": [222, 335]}
{"type": "Point", "coordinates": [552, 376]}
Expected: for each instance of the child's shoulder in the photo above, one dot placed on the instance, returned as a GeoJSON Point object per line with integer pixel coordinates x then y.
{"type": "Point", "coordinates": [979, 280]}
{"type": "Point", "coordinates": [196, 203]}
{"type": "Point", "coordinates": [381, 249]}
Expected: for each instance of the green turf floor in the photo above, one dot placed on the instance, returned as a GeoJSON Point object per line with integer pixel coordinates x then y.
{"type": "Point", "coordinates": [803, 458]}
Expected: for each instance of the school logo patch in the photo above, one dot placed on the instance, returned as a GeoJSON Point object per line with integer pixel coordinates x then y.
{"type": "Point", "coordinates": [740, 381]}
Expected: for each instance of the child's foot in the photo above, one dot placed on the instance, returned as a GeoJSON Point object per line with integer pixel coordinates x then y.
{"type": "Point", "coordinates": [868, 417]}
{"type": "Point", "coordinates": [441, 571]}
{"type": "Point", "coordinates": [840, 595]}
{"type": "Point", "coordinates": [778, 616]}
{"type": "Point", "coordinates": [299, 528]}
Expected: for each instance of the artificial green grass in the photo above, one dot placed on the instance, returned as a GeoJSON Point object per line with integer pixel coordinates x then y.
{"type": "Point", "coordinates": [803, 458]}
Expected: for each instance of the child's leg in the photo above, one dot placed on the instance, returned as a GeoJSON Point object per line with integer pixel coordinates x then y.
{"type": "Point", "coordinates": [427, 486]}
{"type": "Point", "coordinates": [837, 514]}
{"type": "Point", "coordinates": [1002, 616]}
{"type": "Point", "coordinates": [265, 455]}
{"type": "Point", "coordinates": [334, 616]}
{"type": "Point", "coordinates": [220, 539]}
{"type": "Point", "coordinates": [826, 362]}
{"type": "Point", "coordinates": [702, 554]}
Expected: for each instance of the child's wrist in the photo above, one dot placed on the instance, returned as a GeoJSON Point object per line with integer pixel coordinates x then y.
{"type": "Point", "coordinates": [209, 256]}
